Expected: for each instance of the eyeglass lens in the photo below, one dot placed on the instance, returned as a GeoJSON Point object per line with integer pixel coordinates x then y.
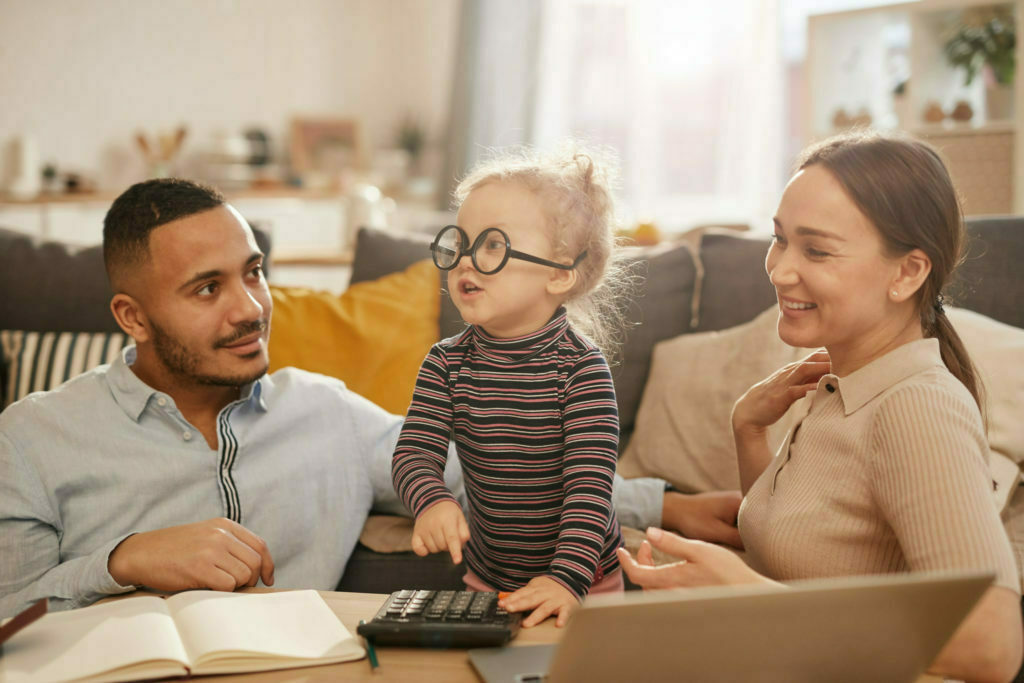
{"type": "Point", "coordinates": [489, 250]}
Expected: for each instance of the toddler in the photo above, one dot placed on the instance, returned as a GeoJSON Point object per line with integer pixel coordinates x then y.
{"type": "Point", "coordinates": [527, 399]}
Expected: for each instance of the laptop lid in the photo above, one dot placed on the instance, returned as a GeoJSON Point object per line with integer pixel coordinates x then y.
{"type": "Point", "coordinates": [868, 628]}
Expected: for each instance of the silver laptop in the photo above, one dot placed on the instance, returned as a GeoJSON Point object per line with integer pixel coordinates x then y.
{"type": "Point", "coordinates": [870, 628]}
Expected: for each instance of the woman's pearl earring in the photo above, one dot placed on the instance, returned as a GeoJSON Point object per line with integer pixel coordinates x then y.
{"type": "Point", "coordinates": [895, 293]}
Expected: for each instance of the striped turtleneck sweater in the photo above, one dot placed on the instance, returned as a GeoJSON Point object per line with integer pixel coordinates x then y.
{"type": "Point", "coordinates": [536, 428]}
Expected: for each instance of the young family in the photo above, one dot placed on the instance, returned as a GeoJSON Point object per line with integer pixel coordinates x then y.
{"type": "Point", "coordinates": [184, 465]}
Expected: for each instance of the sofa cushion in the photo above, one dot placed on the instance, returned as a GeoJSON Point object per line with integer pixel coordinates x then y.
{"type": "Point", "coordinates": [47, 286]}
{"type": "Point", "coordinates": [659, 308]}
{"type": "Point", "coordinates": [374, 336]}
{"type": "Point", "coordinates": [989, 281]}
{"type": "Point", "coordinates": [997, 350]}
{"type": "Point", "coordinates": [52, 286]}
{"type": "Point", "coordinates": [379, 252]}
{"type": "Point", "coordinates": [683, 434]}
{"type": "Point", "coordinates": [40, 361]}
{"type": "Point", "coordinates": [371, 572]}
{"type": "Point", "coordinates": [735, 286]}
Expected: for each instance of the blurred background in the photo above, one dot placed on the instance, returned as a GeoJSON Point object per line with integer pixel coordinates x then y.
{"type": "Point", "coordinates": [317, 116]}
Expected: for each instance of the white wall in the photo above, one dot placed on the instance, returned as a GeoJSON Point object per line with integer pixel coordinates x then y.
{"type": "Point", "coordinates": [83, 77]}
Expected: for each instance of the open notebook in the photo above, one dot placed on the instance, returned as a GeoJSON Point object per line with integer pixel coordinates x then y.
{"type": "Point", "coordinates": [871, 628]}
{"type": "Point", "coordinates": [198, 632]}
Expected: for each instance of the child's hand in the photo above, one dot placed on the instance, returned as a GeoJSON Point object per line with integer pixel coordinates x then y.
{"type": "Point", "coordinates": [545, 597]}
{"type": "Point", "coordinates": [441, 527]}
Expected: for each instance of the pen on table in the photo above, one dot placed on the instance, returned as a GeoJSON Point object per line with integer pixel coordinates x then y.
{"type": "Point", "coordinates": [371, 652]}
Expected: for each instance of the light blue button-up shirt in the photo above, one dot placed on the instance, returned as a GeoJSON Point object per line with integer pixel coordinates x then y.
{"type": "Point", "coordinates": [301, 461]}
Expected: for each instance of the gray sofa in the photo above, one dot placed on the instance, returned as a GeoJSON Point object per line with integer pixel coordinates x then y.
{"type": "Point", "coordinates": [49, 287]}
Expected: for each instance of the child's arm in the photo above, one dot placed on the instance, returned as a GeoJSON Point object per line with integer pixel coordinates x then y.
{"type": "Point", "coordinates": [417, 467]}
{"type": "Point", "coordinates": [591, 427]}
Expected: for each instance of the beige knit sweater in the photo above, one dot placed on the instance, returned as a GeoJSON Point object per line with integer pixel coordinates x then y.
{"type": "Point", "coordinates": [887, 472]}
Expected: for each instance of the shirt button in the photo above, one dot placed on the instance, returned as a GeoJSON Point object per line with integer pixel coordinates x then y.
{"type": "Point", "coordinates": [161, 402]}
{"type": "Point", "coordinates": [831, 389]}
{"type": "Point", "coordinates": [187, 436]}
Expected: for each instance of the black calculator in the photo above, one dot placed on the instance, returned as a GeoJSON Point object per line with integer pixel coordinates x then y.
{"type": "Point", "coordinates": [425, 618]}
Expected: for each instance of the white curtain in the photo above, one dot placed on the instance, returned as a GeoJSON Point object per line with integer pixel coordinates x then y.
{"type": "Point", "coordinates": [689, 93]}
{"type": "Point", "coordinates": [495, 81]}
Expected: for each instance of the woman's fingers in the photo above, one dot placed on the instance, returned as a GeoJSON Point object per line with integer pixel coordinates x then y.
{"type": "Point", "coordinates": [645, 555]}
{"type": "Point", "coordinates": [676, 546]}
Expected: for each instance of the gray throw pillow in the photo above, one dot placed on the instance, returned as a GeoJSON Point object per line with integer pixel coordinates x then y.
{"type": "Point", "coordinates": [379, 252]}
{"type": "Point", "coordinates": [659, 309]}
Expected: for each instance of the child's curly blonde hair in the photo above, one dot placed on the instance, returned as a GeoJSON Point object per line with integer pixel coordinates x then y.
{"type": "Point", "coordinates": [575, 185]}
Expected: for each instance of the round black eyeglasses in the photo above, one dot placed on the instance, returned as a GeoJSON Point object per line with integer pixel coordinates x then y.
{"type": "Point", "coordinates": [490, 251]}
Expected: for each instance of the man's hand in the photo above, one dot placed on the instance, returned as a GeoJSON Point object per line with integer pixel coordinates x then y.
{"type": "Point", "coordinates": [218, 554]}
{"type": "Point", "coordinates": [545, 597]}
{"type": "Point", "coordinates": [441, 527]}
{"type": "Point", "coordinates": [704, 516]}
{"type": "Point", "coordinates": [700, 564]}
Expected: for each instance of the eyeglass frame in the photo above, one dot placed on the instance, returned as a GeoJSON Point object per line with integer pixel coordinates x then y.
{"type": "Point", "coordinates": [466, 249]}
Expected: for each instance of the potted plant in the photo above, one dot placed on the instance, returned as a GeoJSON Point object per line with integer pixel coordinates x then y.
{"type": "Point", "coordinates": [984, 39]}
{"type": "Point", "coordinates": [411, 138]}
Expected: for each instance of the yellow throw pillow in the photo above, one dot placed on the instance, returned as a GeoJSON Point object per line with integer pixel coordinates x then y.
{"type": "Point", "coordinates": [374, 336]}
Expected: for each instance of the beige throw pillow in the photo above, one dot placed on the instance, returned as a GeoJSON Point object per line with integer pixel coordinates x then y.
{"type": "Point", "coordinates": [682, 428]}
{"type": "Point", "coordinates": [997, 350]}
{"type": "Point", "coordinates": [683, 432]}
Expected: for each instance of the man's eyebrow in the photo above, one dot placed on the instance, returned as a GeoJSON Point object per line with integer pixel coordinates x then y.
{"type": "Point", "coordinates": [198, 277]}
{"type": "Point", "coordinates": [213, 274]}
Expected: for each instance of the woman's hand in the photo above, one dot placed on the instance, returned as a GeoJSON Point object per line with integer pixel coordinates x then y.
{"type": "Point", "coordinates": [767, 401]}
{"type": "Point", "coordinates": [441, 527]}
{"type": "Point", "coordinates": [545, 597]}
{"type": "Point", "coordinates": [763, 405]}
{"type": "Point", "coordinates": [700, 564]}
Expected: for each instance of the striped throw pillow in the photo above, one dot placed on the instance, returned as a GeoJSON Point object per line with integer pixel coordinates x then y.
{"type": "Point", "coordinates": [38, 361]}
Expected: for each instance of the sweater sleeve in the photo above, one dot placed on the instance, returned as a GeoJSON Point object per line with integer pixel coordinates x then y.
{"type": "Point", "coordinates": [591, 427]}
{"type": "Point", "coordinates": [417, 467]}
{"type": "Point", "coordinates": [930, 476]}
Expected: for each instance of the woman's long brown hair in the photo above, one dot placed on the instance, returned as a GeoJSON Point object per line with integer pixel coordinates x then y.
{"type": "Point", "coordinates": [903, 187]}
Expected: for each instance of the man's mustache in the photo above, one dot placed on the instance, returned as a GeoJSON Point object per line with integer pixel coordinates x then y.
{"type": "Point", "coordinates": [243, 330]}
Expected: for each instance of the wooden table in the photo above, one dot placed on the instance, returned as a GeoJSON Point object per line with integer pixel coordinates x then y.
{"type": "Point", "coordinates": [396, 663]}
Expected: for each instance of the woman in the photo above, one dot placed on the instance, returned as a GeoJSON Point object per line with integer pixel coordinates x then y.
{"type": "Point", "coordinates": [888, 469]}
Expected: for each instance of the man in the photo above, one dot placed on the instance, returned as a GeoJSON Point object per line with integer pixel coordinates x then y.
{"type": "Point", "coordinates": [183, 464]}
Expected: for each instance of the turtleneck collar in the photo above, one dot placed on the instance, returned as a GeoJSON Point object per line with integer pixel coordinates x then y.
{"type": "Point", "coordinates": [522, 347]}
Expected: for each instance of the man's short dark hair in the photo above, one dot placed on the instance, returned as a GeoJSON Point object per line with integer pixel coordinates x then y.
{"type": "Point", "coordinates": [146, 206]}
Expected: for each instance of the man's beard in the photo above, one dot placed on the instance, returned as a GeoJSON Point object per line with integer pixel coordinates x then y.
{"type": "Point", "coordinates": [184, 363]}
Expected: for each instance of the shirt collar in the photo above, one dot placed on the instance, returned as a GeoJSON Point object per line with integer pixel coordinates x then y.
{"type": "Point", "coordinates": [519, 348]}
{"type": "Point", "coordinates": [133, 395]}
{"type": "Point", "coordinates": [859, 387]}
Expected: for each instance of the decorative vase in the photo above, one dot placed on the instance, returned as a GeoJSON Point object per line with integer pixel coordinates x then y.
{"type": "Point", "coordinates": [999, 101]}
{"type": "Point", "coordinates": [901, 108]}
{"type": "Point", "coordinates": [962, 112]}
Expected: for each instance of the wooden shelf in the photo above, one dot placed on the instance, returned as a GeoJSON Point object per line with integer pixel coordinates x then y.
{"type": "Point", "coordinates": [965, 128]}
{"type": "Point", "coordinates": [311, 257]}
{"type": "Point", "coordinates": [108, 196]}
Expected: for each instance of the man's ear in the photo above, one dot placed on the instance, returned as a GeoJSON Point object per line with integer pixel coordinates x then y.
{"type": "Point", "coordinates": [130, 317]}
{"type": "Point", "coordinates": [913, 269]}
{"type": "Point", "coordinates": [561, 281]}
